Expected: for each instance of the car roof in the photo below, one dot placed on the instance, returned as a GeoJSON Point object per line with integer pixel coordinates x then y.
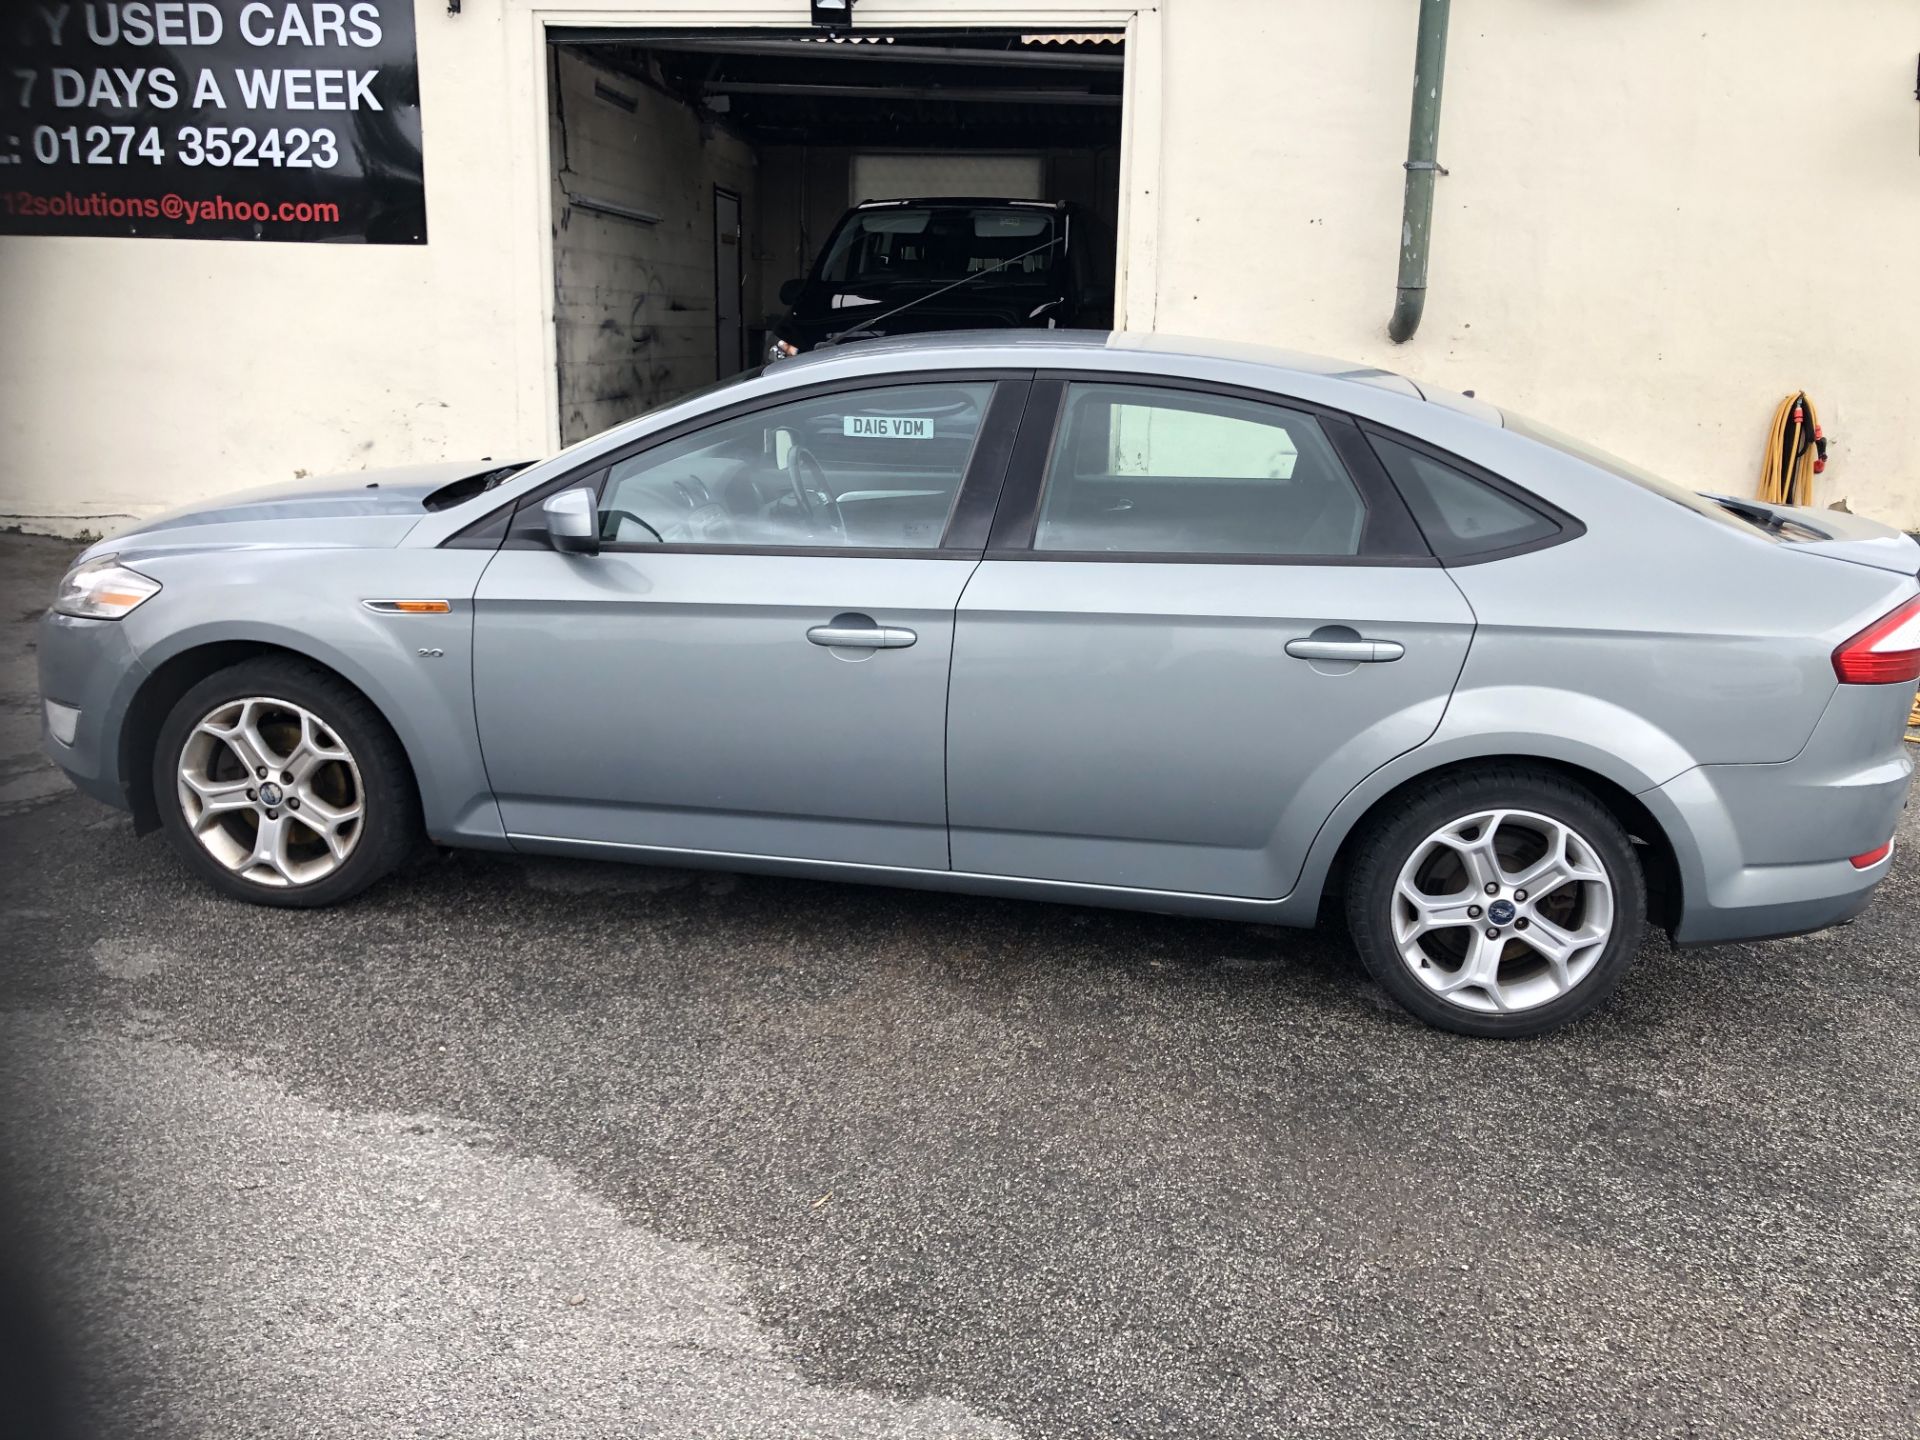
{"type": "Point", "coordinates": [1095, 349]}
{"type": "Point", "coordinates": [1456, 423]}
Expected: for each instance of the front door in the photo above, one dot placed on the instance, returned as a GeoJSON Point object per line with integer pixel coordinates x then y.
{"type": "Point", "coordinates": [756, 661]}
{"type": "Point", "coordinates": [1187, 644]}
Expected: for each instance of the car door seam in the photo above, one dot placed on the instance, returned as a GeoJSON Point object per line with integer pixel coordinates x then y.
{"type": "Point", "coordinates": [946, 711]}
{"type": "Point", "coordinates": [1466, 659]}
{"type": "Point", "coordinates": [473, 689]}
{"type": "Point", "coordinates": [1313, 846]}
{"type": "Point", "coordinates": [953, 628]}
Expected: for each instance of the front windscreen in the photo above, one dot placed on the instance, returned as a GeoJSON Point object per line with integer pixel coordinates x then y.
{"type": "Point", "coordinates": [938, 243]}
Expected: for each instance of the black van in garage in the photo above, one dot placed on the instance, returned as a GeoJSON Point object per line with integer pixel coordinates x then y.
{"type": "Point", "coordinates": [896, 267]}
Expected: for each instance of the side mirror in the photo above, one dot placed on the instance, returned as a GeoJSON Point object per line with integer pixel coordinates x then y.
{"type": "Point", "coordinates": [573, 521]}
{"type": "Point", "coordinates": [792, 290]}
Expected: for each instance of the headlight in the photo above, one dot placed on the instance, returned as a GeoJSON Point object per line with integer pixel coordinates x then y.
{"type": "Point", "coordinates": [102, 590]}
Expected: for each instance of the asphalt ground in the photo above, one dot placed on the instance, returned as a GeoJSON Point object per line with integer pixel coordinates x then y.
{"type": "Point", "coordinates": [517, 1148]}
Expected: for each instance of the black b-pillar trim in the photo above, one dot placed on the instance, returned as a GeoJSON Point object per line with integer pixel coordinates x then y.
{"type": "Point", "coordinates": [1019, 509]}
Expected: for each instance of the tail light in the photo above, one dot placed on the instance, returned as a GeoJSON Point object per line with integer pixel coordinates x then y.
{"type": "Point", "coordinates": [1887, 652]}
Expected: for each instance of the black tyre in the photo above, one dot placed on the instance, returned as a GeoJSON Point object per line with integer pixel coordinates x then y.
{"type": "Point", "coordinates": [282, 785]}
{"type": "Point", "coordinates": [1501, 902]}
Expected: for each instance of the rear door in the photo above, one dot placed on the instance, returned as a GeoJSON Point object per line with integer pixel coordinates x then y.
{"type": "Point", "coordinates": [1202, 618]}
{"type": "Point", "coordinates": [756, 661]}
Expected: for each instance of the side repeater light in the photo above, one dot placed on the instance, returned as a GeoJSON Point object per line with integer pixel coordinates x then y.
{"type": "Point", "coordinates": [408, 607]}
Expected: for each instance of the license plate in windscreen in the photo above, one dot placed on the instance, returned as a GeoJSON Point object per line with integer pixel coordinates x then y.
{"type": "Point", "coordinates": [887, 427]}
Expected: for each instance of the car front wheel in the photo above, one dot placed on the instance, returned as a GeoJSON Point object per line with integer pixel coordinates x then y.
{"type": "Point", "coordinates": [283, 786]}
{"type": "Point", "coordinates": [1504, 902]}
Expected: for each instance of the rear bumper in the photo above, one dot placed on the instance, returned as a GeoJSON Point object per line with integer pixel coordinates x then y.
{"type": "Point", "coordinates": [87, 666]}
{"type": "Point", "coordinates": [1767, 903]}
{"type": "Point", "coordinates": [1763, 849]}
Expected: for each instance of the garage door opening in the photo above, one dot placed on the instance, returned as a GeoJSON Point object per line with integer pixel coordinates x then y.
{"type": "Point", "coordinates": [715, 192]}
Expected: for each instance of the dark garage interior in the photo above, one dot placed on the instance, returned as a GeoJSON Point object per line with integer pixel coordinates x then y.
{"type": "Point", "coordinates": [696, 172]}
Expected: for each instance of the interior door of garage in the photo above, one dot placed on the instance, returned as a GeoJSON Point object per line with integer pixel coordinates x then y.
{"type": "Point", "coordinates": [729, 285]}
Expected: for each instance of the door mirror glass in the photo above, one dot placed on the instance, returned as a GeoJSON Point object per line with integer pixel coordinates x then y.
{"type": "Point", "coordinates": [792, 290]}
{"type": "Point", "coordinates": [573, 521]}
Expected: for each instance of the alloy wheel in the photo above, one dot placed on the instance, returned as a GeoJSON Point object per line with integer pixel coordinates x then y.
{"type": "Point", "coordinates": [270, 790]}
{"type": "Point", "coordinates": [1502, 911]}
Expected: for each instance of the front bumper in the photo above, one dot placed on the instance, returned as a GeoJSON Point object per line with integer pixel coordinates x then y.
{"type": "Point", "coordinates": [89, 667]}
{"type": "Point", "coordinates": [1763, 849]}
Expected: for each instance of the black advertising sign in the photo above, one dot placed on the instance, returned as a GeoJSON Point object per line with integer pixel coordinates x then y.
{"type": "Point", "coordinates": [212, 120]}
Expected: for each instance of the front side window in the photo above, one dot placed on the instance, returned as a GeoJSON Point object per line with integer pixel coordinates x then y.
{"type": "Point", "coordinates": [1141, 470]}
{"type": "Point", "coordinates": [865, 469]}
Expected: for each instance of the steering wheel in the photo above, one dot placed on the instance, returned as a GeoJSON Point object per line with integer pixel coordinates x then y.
{"type": "Point", "coordinates": [809, 480]}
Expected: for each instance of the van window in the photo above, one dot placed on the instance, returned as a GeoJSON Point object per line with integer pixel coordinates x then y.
{"type": "Point", "coordinates": [942, 243]}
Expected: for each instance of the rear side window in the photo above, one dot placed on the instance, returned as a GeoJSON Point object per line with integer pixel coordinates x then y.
{"type": "Point", "coordinates": [1460, 516]}
{"type": "Point", "coordinates": [1146, 471]}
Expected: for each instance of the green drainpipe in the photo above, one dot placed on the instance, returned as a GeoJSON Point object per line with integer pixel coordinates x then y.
{"type": "Point", "coordinates": [1423, 143]}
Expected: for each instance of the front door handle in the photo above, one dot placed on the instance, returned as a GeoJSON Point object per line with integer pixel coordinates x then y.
{"type": "Point", "coordinates": [1365, 652]}
{"type": "Point", "coordinates": [841, 636]}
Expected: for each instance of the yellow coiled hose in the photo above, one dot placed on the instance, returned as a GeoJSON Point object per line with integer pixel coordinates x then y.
{"type": "Point", "coordinates": [1796, 452]}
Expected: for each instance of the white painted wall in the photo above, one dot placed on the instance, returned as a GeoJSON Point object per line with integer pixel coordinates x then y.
{"type": "Point", "coordinates": [1661, 217]}
{"type": "Point", "coordinates": [140, 373]}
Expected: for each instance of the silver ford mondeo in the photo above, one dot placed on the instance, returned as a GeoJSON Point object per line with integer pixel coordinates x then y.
{"type": "Point", "coordinates": [1116, 620]}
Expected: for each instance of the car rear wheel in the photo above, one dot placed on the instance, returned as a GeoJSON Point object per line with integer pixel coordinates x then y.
{"type": "Point", "coordinates": [1504, 902]}
{"type": "Point", "coordinates": [283, 786]}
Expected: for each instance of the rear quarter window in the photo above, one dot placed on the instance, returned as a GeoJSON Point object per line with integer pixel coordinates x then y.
{"type": "Point", "coordinates": [1460, 516]}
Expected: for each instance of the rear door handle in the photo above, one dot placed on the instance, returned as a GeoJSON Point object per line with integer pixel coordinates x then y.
{"type": "Point", "coordinates": [1365, 652]}
{"type": "Point", "coordinates": [862, 637]}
